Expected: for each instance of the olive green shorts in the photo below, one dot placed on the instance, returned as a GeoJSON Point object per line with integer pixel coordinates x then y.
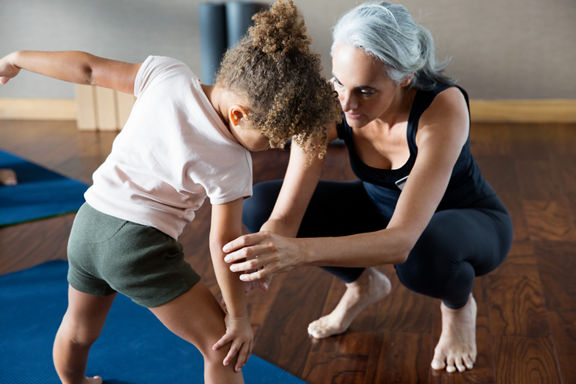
{"type": "Point", "coordinates": [108, 255]}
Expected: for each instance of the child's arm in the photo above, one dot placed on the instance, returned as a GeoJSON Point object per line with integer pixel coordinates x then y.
{"type": "Point", "coordinates": [227, 225]}
{"type": "Point", "coordinates": [73, 66]}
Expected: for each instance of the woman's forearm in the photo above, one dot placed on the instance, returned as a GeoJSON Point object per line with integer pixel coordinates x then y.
{"type": "Point", "coordinates": [361, 250]}
{"type": "Point", "coordinates": [263, 254]}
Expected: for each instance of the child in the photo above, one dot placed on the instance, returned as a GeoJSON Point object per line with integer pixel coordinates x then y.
{"type": "Point", "coordinates": [183, 141]}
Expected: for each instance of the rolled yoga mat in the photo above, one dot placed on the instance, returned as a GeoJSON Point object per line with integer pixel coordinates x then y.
{"type": "Point", "coordinates": [222, 25]}
{"type": "Point", "coordinates": [239, 19]}
{"type": "Point", "coordinates": [213, 40]}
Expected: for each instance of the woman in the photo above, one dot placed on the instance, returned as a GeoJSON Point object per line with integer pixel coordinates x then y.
{"type": "Point", "coordinates": [420, 203]}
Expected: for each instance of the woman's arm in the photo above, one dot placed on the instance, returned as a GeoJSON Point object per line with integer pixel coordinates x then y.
{"type": "Point", "coordinates": [226, 225]}
{"type": "Point", "coordinates": [73, 66]}
{"type": "Point", "coordinates": [443, 130]}
{"type": "Point", "coordinates": [299, 183]}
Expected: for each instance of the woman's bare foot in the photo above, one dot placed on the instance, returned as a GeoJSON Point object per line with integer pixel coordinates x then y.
{"type": "Point", "coordinates": [371, 286]}
{"type": "Point", "coordinates": [456, 349]}
{"type": "Point", "coordinates": [7, 177]}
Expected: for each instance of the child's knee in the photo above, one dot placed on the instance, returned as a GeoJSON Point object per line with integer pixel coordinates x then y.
{"type": "Point", "coordinates": [78, 333]}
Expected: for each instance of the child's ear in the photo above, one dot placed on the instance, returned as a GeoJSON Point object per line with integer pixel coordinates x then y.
{"type": "Point", "coordinates": [236, 113]}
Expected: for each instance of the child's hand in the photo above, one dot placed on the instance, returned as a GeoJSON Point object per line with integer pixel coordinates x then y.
{"type": "Point", "coordinates": [241, 339]}
{"type": "Point", "coordinates": [7, 69]}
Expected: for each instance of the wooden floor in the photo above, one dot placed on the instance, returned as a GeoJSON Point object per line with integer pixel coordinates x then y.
{"type": "Point", "coordinates": [527, 307]}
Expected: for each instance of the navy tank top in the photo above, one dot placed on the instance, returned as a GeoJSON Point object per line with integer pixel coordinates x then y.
{"type": "Point", "coordinates": [466, 185]}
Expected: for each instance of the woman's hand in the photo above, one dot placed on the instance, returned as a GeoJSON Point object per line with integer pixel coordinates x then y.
{"type": "Point", "coordinates": [241, 339]}
{"type": "Point", "coordinates": [7, 69]}
{"type": "Point", "coordinates": [260, 255]}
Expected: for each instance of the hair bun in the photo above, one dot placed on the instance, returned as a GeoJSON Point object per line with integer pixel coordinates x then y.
{"type": "Point", "coordinates": [279, 29]}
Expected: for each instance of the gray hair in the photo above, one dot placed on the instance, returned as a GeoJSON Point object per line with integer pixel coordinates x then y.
{"type": "Point", "coordinates": [389, 33]}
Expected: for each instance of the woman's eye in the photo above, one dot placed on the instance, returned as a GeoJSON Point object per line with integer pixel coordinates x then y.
{"type": "Point", "coordinates": [367, 92]}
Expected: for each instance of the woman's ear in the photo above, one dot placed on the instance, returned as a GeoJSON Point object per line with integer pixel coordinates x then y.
{"type": "Point", "coordinates": [406, 82]}
{"type": "Point", "coordinates": [236, 113]}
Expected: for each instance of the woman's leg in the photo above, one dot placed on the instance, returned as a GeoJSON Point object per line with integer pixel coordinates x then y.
{"type": "Point", "coordinates": [336, 209]}
{"type": "Point", "coordinates": [196, 317]}
{"type": "Point", "coordinates": [456, 246]}
{"type": "Point", "coordinates": [79, 329]}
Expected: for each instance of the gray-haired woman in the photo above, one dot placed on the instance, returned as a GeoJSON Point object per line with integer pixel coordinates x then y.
{"type": "Point", "coordinates": [420, 203]}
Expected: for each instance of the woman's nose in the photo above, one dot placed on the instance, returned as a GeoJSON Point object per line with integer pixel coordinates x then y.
{"type": "Point", "coordinates": [347, 100]}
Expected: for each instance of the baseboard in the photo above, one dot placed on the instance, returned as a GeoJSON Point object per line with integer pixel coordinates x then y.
{"type": "Point", "coordinates": [513, 111]}
{"type": "Point", "coordinates": [37, 109]}
{"type": "Point", "coordinates": [524, 111]}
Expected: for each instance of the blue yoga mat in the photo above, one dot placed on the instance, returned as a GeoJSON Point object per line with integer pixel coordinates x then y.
{"type": "Point", "coordinates": [40, 192]}
{"type": "Point", "coordinates": [134, 348]}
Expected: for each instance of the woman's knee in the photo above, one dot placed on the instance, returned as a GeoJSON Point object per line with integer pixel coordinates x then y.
{"type": "Point", "coordinates": [431, 263]}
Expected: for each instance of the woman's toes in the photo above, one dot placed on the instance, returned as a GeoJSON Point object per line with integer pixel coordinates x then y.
{"type": "Point", "coordinates": [438, 363]}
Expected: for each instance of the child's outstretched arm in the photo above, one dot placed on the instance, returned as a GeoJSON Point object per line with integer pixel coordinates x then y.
{"type": "Point", "coordinates": [227, 225]}
{"type": "Point", "coordinates": [73, 66]}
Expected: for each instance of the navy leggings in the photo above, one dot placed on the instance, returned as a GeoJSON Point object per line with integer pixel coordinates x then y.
{"type": "Point", "coordinates": [456, 246]}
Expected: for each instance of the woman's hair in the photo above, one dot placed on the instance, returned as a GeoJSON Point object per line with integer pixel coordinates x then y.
{"type": "Point", "coordinates": [274, 68]}
{"type": "Point", "coordinates": [389, 33]}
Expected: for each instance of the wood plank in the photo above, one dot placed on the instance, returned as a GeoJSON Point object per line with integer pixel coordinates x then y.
{"type": "Point", "coordinates": [549, 220]}
{"type": "Point", "coordinates": [557, 264]}
{"type": "Point", "coordinates": [86, 117]}
{"type": "Point", "coordinates": [37, 109]}
{"type": "Point", "coordinates": [517, 302]}
{"type": "Point", "coordinates": [526, 360]}
{"type": "Point", "coordinates": [524, 111]}
{"type": "Point", "coordinates": [125, 102]}
{"type": "Point", "coordinates": [564, 334]}
{"type": "Point", "coordinates": [106, 109]}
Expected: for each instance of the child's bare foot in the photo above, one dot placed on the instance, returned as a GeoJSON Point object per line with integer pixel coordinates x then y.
{"type": "Point", "coordinates": [8, 177]}
{"type": "Point", "coordinates": [92, 380]}
{"type": "Point", "coordinates": [456, 349]}
{"type": "Point", "coordinates": [371, 286]}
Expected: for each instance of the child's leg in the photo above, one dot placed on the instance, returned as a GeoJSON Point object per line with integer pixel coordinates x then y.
{"type": "Point", "coordinates": [80, 327]}
{"type": "Point", "coordinates": [196, 317]}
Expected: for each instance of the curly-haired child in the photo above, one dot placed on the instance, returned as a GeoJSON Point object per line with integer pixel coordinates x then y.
{"type": "Point", "coordinates": [184, 141]}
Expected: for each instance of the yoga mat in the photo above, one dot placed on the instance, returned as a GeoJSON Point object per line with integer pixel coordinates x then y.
{"type": "Point", "coordinates": [40, 193]}
{"type": "Point", "coordinates": [134, 348]}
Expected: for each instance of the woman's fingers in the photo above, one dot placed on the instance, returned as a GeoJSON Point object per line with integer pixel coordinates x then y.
{"type": "Point", "coordinates": [256, 275]}
{"type": "Point", "coordinates": [245, 241]}
{"type": "Point", "coordinates": [246, 266]}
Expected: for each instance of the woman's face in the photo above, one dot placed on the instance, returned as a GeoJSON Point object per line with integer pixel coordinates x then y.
{"type": "Point", "coordinates": [364, 90]}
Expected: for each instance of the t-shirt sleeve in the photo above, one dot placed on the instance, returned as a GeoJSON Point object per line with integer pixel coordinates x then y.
{"type": "Point", "coordinates": [228, 178]}
{"type": "Point", "coordinates": [155, 69]}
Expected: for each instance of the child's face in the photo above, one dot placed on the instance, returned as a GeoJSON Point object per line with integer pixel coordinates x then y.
{"type": "Point", "coordinates": [250, 137]}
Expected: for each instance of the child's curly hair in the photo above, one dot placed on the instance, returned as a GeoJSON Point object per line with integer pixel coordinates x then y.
{"type": "Point", "coordinates": [274, 68]}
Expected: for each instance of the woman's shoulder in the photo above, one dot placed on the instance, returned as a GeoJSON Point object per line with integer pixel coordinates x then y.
{"type": "Point", "coordinates": [447, 101]}
{"type": "Point", "coordinates": [447, 114]}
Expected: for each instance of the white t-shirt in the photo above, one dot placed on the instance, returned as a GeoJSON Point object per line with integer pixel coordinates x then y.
{"type": "Point", "coordinates": [173, 152]}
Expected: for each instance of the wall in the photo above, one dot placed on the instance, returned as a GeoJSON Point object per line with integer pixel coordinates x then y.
{"type": "Point", "coordinates": [512, 49]}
